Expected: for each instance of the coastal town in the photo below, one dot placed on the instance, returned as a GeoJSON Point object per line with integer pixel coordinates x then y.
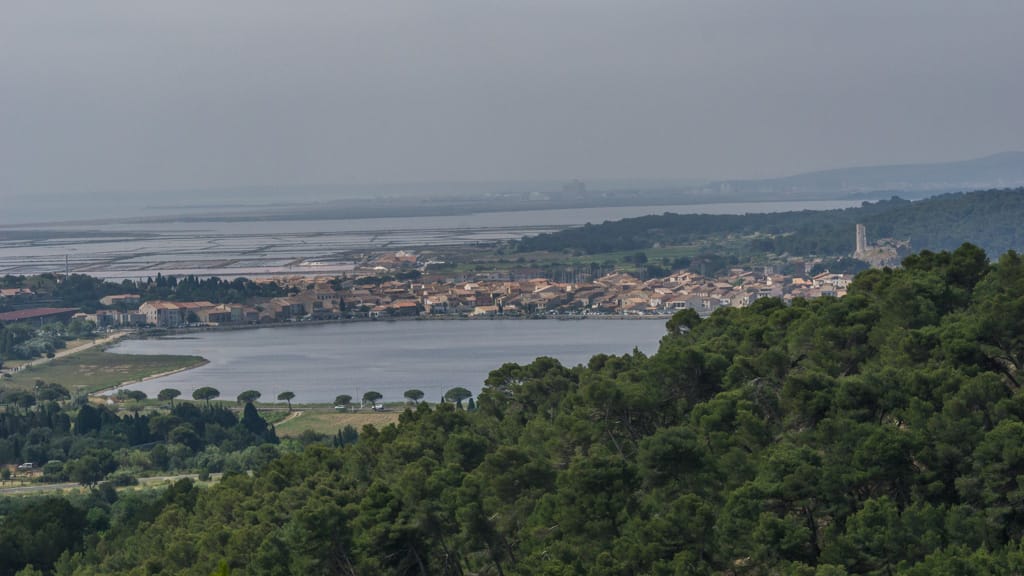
{"type": "Point", "coordinates": [422, 295]}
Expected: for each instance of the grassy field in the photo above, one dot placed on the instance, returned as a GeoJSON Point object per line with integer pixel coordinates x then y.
{"type": "Point", "coordinates": [330, 422]}
{"type": "Point", "coordinates": [93, 370]}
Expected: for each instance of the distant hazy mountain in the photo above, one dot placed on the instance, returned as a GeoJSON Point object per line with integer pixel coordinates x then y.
{"type": "Point", "coordinates": [910, 181]}
{"type": "Point", "coordinates": [1004, 170]}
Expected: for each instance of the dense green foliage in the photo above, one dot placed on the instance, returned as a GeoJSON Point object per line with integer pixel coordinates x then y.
{"type": "Point", "coordinates": [990, 219]}
{"type": "Point", "coordinates": [36, 532]}
{"type": "Point", "coordinates": [216, 290]}
{"type": "Point", "coordinates": [879, 433]}
{"type": "Point", "coordinates": [186, 437]}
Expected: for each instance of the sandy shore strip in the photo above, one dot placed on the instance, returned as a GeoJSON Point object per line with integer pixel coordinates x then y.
{"type": "Point", "coordinates": [107, 391]}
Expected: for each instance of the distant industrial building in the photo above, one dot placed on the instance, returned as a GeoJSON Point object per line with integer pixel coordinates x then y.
{"type": "Point", "coordinates": [122, 300]}
{"type": "Point", "coordinates": [575, 190]}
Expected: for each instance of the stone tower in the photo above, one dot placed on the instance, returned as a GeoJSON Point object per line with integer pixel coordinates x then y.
{"type": "Point", "coordinates": [862, 241]}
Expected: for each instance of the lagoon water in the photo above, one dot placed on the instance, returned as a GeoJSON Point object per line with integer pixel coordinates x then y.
{"type": "Point", "coordinates": [319, 362]}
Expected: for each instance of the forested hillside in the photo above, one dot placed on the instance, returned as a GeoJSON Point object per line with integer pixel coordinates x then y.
{"type": "Point", "coordinates": [989, 219]}
{"type": "Point", "coordinates": [880, 433]}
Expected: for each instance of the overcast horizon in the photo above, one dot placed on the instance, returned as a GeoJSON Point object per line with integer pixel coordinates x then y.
{"type": "Point", "coordinates": [120, 96]}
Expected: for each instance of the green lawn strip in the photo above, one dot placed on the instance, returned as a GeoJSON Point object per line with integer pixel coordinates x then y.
{"type": "Point", "coordinates": [330, 423]}
{"type": "Point", "coordinates": [93, 370]}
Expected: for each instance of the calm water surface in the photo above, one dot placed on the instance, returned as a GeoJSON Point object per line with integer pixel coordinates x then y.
{"type": "Point", "coordinates": [320, 362]}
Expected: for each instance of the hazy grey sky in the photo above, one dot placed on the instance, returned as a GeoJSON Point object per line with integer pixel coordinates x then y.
{"type": "Point", "coordinates": [129, 95]}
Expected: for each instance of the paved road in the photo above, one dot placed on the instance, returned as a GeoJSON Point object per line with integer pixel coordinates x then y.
{"type": "Point", "coordinates": [62, 486]}
{"type": "Point", "coordinates": [69, 351]}
{"type": "Point", "coordinates": [38, 488]}
{"type": "Point", "coordinates": [291, 416]}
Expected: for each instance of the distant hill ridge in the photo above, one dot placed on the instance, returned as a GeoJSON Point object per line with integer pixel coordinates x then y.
{"type": "Point", "coordinates": [1003, 170]}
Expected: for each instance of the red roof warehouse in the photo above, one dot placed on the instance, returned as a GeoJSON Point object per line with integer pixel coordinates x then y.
{"type": "Point", "coordinates": [40, 315]}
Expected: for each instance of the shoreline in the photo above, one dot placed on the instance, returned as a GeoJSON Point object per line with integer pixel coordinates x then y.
{"type": "Point", "coordinates": [107, 342]}
{"type": "Point", "coordinates": [571, 343]}
{"type": "Point", "coordinates": [103, 392]}
{"type": "Point", "coordinates": [147, 333]}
